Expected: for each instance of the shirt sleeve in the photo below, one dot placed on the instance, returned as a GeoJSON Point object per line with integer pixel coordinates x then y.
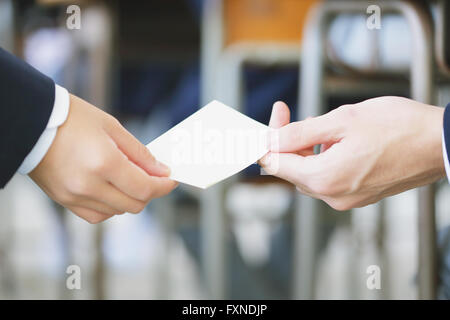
{"type": "Point", "coordinates": [446, 140]}
{"type": "Point", "coordinates": [27, 98]}
{"type": "Point", "coordinates": [58, 117]}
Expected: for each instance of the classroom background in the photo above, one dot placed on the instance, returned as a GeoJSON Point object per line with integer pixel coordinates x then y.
{"type": "Point", "coordinates": [153, 63]}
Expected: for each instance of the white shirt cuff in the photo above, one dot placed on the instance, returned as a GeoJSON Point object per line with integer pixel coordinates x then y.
{"type": "Point", "coordinates": [445, 155]}
{"type": "Point", "coordinates": [58, 117]}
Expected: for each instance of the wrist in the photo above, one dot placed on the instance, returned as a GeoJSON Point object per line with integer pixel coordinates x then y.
{"type": "Point", "coordinates": [57, 117]}
{"type": "Point", "coordinates": [433, 145]}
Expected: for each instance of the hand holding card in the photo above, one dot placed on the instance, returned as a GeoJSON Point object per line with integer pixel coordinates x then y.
{"type": "Point", "coordinates": [97, 169]}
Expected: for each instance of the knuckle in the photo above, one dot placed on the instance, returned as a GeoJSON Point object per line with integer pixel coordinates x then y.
{"type": "Point", "coordinates": [95, 219]}
{"type": "Point", "coordinates": [324, 185]}
{"type": "Point", "coordinates": [349, 111]}
{"type": "Point", "coordinates": [66, 197]}
{"type": "Point", "coordinates": [137, 207]}
{"type": "Point", "coordinates": [112, 121]}
{"type": "Point", "coordinates": [321, 188]}
{"type": "Point", "coordinates": [344, 108]}
{"type": "Point", "coordinates": [79, 187]}
{"type": "Point", "coordinates": [100, 163]}
{"type": "Point", "coordinates": [327, 181]}
{"type": "Point", "coordinates": [339, 205]}
{"type": "Point", "coordinates": [354, 187]}
{"type": "Point", "coordinates": [299, 128]}
{"type": "Point", "coordinates": [148, 194]}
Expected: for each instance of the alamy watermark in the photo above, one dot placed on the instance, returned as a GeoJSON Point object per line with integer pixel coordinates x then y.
{"type": "Point", "coordinates": [373, 281]}
{"type": "Point", "coordinates": [73, 21]}
{"type": "Point", "coordinates": [208, 146]}
{"type": "Point", "coordinates": [374, 20]}
{"type": "Point", "coordinates": [73, 281]}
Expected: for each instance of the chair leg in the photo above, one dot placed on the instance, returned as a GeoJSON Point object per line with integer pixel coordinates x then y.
{"type": "Point", "coordinates": [311, 91]}
{"type": "Point", "coordinates": [213, 240]}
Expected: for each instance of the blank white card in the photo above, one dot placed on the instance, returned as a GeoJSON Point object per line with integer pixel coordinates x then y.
{"type": "Point", "coordinates": [211, 145]}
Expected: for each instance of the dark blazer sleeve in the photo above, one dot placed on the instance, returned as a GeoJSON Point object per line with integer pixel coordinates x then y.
{"type": "Point", "coordinates": [26, 102]}
{"type": "Point", "coordinates": [447, 130]}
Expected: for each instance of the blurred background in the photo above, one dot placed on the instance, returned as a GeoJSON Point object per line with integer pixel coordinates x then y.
{"type": "Point", "coordinates": [153, 63]}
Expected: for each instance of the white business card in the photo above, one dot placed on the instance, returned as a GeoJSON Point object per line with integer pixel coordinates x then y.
{"type": "Point", "coordinates": [211, 145]}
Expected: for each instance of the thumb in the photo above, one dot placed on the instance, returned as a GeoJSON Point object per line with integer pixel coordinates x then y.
{"type": "Point", "coordinates": [280, 116]}
{"type": "Point", "coordinates": [304, 134]}
{"type": "Point", "coordinates": [136, 151]}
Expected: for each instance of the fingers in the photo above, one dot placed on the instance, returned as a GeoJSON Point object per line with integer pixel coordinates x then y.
{"type": "Point", "coordinates": [280, 116]}
{"type": "Point", "coordinates": [288, 166]}
{"type": "Point", "coordinates": [98, 206]}
{"type": "Point", "coordinates": [114, 200]}
{"type": "Point", "coordinates": [101, 191]}
{"type": "Point", "coordinates": [89, 215]}
{"type": "Point", "coordinates": [137, 174]}
{"type": "Point", "coordinates": [306, 152]}
{"type": "Point", "coordinates": [135, 182]}
{"type": "Point", "coordinates": [325, 146]}
{"type": "Point", "coordinates": [162, 186]}
{"type": "Point", "coordinates": [305, 134]}
{"type": "Point", "coordinates": [135, 150]}
{"type": "Point", "coordinates": [119, 201]}
{"type": "Point", "coordinates": [129, 178]}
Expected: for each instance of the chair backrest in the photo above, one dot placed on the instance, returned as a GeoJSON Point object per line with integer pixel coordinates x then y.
{"type": "Point", "coordinates": [265, 20]}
